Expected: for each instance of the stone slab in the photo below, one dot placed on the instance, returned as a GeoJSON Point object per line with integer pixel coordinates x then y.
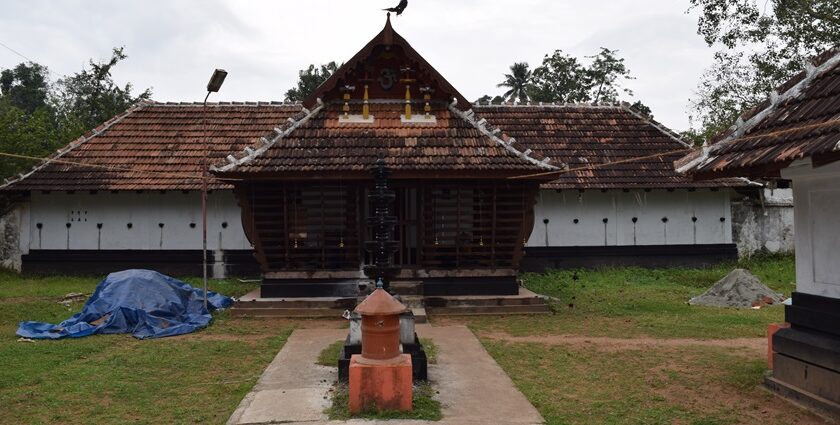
{"type": "Point", "coordinates": [292, 388]}
{"type": "Point", "coordinates": [473, 387]}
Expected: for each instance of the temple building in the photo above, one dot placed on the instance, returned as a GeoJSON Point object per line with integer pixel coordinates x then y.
{"type": "Point", "coordinates": [795, 135]}
{"type": "Point", "coordinates": [483, 192]}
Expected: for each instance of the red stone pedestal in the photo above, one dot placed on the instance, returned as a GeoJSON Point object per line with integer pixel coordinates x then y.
{"type": "Point", "coordinates": [384, 385]}
{"type": "Point", "coordinates": [771, 330]}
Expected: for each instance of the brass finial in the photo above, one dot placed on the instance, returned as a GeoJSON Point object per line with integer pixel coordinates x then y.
{"type": "Point", "coordinates": [366, 104]}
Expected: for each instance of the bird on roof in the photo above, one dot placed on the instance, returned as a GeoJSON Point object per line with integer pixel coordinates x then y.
{"type": "Point", "coordinates": [400, 7]}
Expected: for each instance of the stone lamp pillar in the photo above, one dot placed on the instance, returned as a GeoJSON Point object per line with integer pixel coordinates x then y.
{"type": "Point", "coordinates": [381, 377]}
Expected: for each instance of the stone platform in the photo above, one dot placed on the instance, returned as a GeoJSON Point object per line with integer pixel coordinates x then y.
{"type": "Point", "coordinates": [294, 390]}
{"type": "Point", "coordinates": [526, 302]}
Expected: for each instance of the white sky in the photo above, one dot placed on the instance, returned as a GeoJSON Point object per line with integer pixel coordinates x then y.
{"type": "Point", "coordinates": [174, 45]}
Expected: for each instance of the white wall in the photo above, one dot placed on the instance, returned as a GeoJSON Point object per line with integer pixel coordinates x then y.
{"type": "Point", "coordinates": [764, 224]}
{"type": "Point", "coordinates": [177, 211]}
{"type": "Point", "coordinates": [591, 207]}
{"type": "Point", "coordinates": [145, 211]}
{"type": "Point", "coordinates": [816, 196]}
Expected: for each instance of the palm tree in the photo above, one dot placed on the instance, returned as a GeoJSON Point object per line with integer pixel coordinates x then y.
{"type": "Point", "coordinates": [517, 82]}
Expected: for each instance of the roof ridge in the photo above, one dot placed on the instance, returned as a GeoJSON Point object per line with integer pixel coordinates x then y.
{"type": "Point", "coordinates": [265, 143]}
{"type": "Point", "coordinates": [656, 124]}
{"type": "Point", "coordinates": [504, 140]}
{"type": "Point", "coordinates": [814, 68]}
{"type": "Point", "coordinates": [102, 128]}
{"type": "Point", "coordinates": [551, 104]}
{"type": "Point", "coordinates": [228, 103]}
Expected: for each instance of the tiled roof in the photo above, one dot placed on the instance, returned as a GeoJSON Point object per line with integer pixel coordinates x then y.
{"type": "Point", "coordinates": [457, 141]}
{"type": "Point", "coordinates": [801, 119]}
{"type": "Point", "coordinates": [162, 144]}
{"type": "Point", "coordinates": [591, 135]}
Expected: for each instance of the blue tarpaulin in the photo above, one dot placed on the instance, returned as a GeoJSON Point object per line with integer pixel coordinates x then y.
{"type": "Point", "coordinates": [144, 303]}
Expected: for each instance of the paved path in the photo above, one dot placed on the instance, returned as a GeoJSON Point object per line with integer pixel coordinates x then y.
{"type": "Point", "coordinates": [293, 388]}
{"type": "Point", "coordinates": [473, 388]}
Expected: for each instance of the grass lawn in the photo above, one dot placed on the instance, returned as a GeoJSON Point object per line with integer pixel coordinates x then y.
{"type": "Point", "coordinates": [629, 302]}
{"type": "Point", "coordinates": [198, 378]}
{"type": "Point", "coordinates": [623, 347]}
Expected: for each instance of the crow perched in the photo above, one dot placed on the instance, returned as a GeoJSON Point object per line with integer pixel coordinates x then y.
{"type": "Point", "coordinates": [400, 7]}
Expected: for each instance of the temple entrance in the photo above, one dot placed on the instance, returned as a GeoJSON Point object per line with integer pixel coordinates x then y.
{"type": "Point", "coordinates": [407, 209]}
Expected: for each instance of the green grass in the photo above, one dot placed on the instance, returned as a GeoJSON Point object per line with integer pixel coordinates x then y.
{"type": "Point", "coordinates": [431, 350]}
{"type": "Point", "coordinates": [675, 385]}
{"type": "Point", "coordinates": [425, 407]}
{"type": "Point", "coordinates": [199, 378]}
{"type": "Point", "coordinates": [632, 302]}
{"type": "Point", "coordinates": [329, 356]}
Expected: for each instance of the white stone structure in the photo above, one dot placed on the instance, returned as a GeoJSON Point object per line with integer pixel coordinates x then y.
{"type": "Point", "coordinates": [817, 203]}
{"type": "Point", "coordinates": [764, 223]}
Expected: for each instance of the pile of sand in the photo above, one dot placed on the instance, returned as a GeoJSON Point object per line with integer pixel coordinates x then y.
{"type": "Point", "coordinates": [739, 289]}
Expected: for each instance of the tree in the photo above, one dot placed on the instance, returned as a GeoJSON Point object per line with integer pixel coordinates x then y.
{"type": "Point", "coordinates": [781, 35]}
{"type": "Point", "coordinates": [26, 87]}
{"type": "Point", "coordinates": [563, 78]}
{"type": "Point", "coordinates": [643, 109]}
{"type": "Point", "coordinates": [36, 116]}
{"type": "Point", "coordinates": [487, 99]}
{"type": "Point", "coordinates": [517, 82]}
{"type": "Point", "coordinates": [310, 79]}
{"type": "Point", "coordinates": [31, 134]}
{"type": "Point", "coordinates": [605, 76]}
{"type": "Point", "coordinates": [560, 78]}
{"type": "Point", "coordinates": [91, 97]}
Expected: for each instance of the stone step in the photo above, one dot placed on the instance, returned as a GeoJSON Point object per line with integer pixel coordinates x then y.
{"type": "Point", "coordinates": [488, 310]}
{"type": "Point", "coordinates": [444, 302]}
{"type": "Point", "coordinates": [312, 313]}
{"type": "Point", "coordinates": [419, 315]}
{"type": "Point", "coordinates": [413, 301]}
{"type": "Point", "coordinates": [405, 287]}
{"type": "Point", "coordinates": [330, 303]}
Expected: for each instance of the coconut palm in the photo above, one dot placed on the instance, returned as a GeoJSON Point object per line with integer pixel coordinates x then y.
{"type": "Point", "coordinates": [517, 82]}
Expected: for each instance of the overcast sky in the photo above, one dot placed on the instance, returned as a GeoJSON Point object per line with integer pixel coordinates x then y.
{"type": "Point", "coordinates": [174, 45]}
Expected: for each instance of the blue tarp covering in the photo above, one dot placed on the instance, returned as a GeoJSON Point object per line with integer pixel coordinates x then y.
{"type": "Point", "coordinates": [144, 303]}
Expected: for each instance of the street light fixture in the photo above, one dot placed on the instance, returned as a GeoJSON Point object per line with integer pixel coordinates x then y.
{"type": "Point", "coordinates": [213, 86]}
{"type": "Point", "coordinates": [216, 81]}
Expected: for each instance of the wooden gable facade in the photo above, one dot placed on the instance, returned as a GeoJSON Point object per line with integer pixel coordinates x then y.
{"type": "Point", "coordinates": [462, 222]}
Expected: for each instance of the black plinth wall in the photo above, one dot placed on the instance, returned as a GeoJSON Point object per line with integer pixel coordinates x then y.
{"type": "Point", "coordinates": [807, 355]}
{"type": "Point", "coordinates": [309, 288]}
{"type": "Point", "coordinates": [419, 361]}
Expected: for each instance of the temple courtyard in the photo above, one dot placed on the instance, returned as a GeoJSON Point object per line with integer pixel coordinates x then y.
{"type": "Point", "coordinates": [621, 347]}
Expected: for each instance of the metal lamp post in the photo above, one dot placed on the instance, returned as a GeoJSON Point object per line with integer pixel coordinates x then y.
{"type": "Point", "coordinates": [213, 86]}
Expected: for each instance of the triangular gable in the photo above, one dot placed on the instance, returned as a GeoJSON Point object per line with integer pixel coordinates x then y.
{"type": "Point", "coordinates": [380, 64]}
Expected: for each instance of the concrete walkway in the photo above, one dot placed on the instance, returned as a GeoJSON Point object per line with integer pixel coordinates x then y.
{"type": "Point", "coordinates": [293, 389]}
{"type": "Point", "coordinates": [473, 388]}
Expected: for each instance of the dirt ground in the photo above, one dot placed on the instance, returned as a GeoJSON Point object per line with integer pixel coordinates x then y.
{"type": "Point", "coordinates": [747, 346]}
{"type": "Point", "coordinates": [756, 405]}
